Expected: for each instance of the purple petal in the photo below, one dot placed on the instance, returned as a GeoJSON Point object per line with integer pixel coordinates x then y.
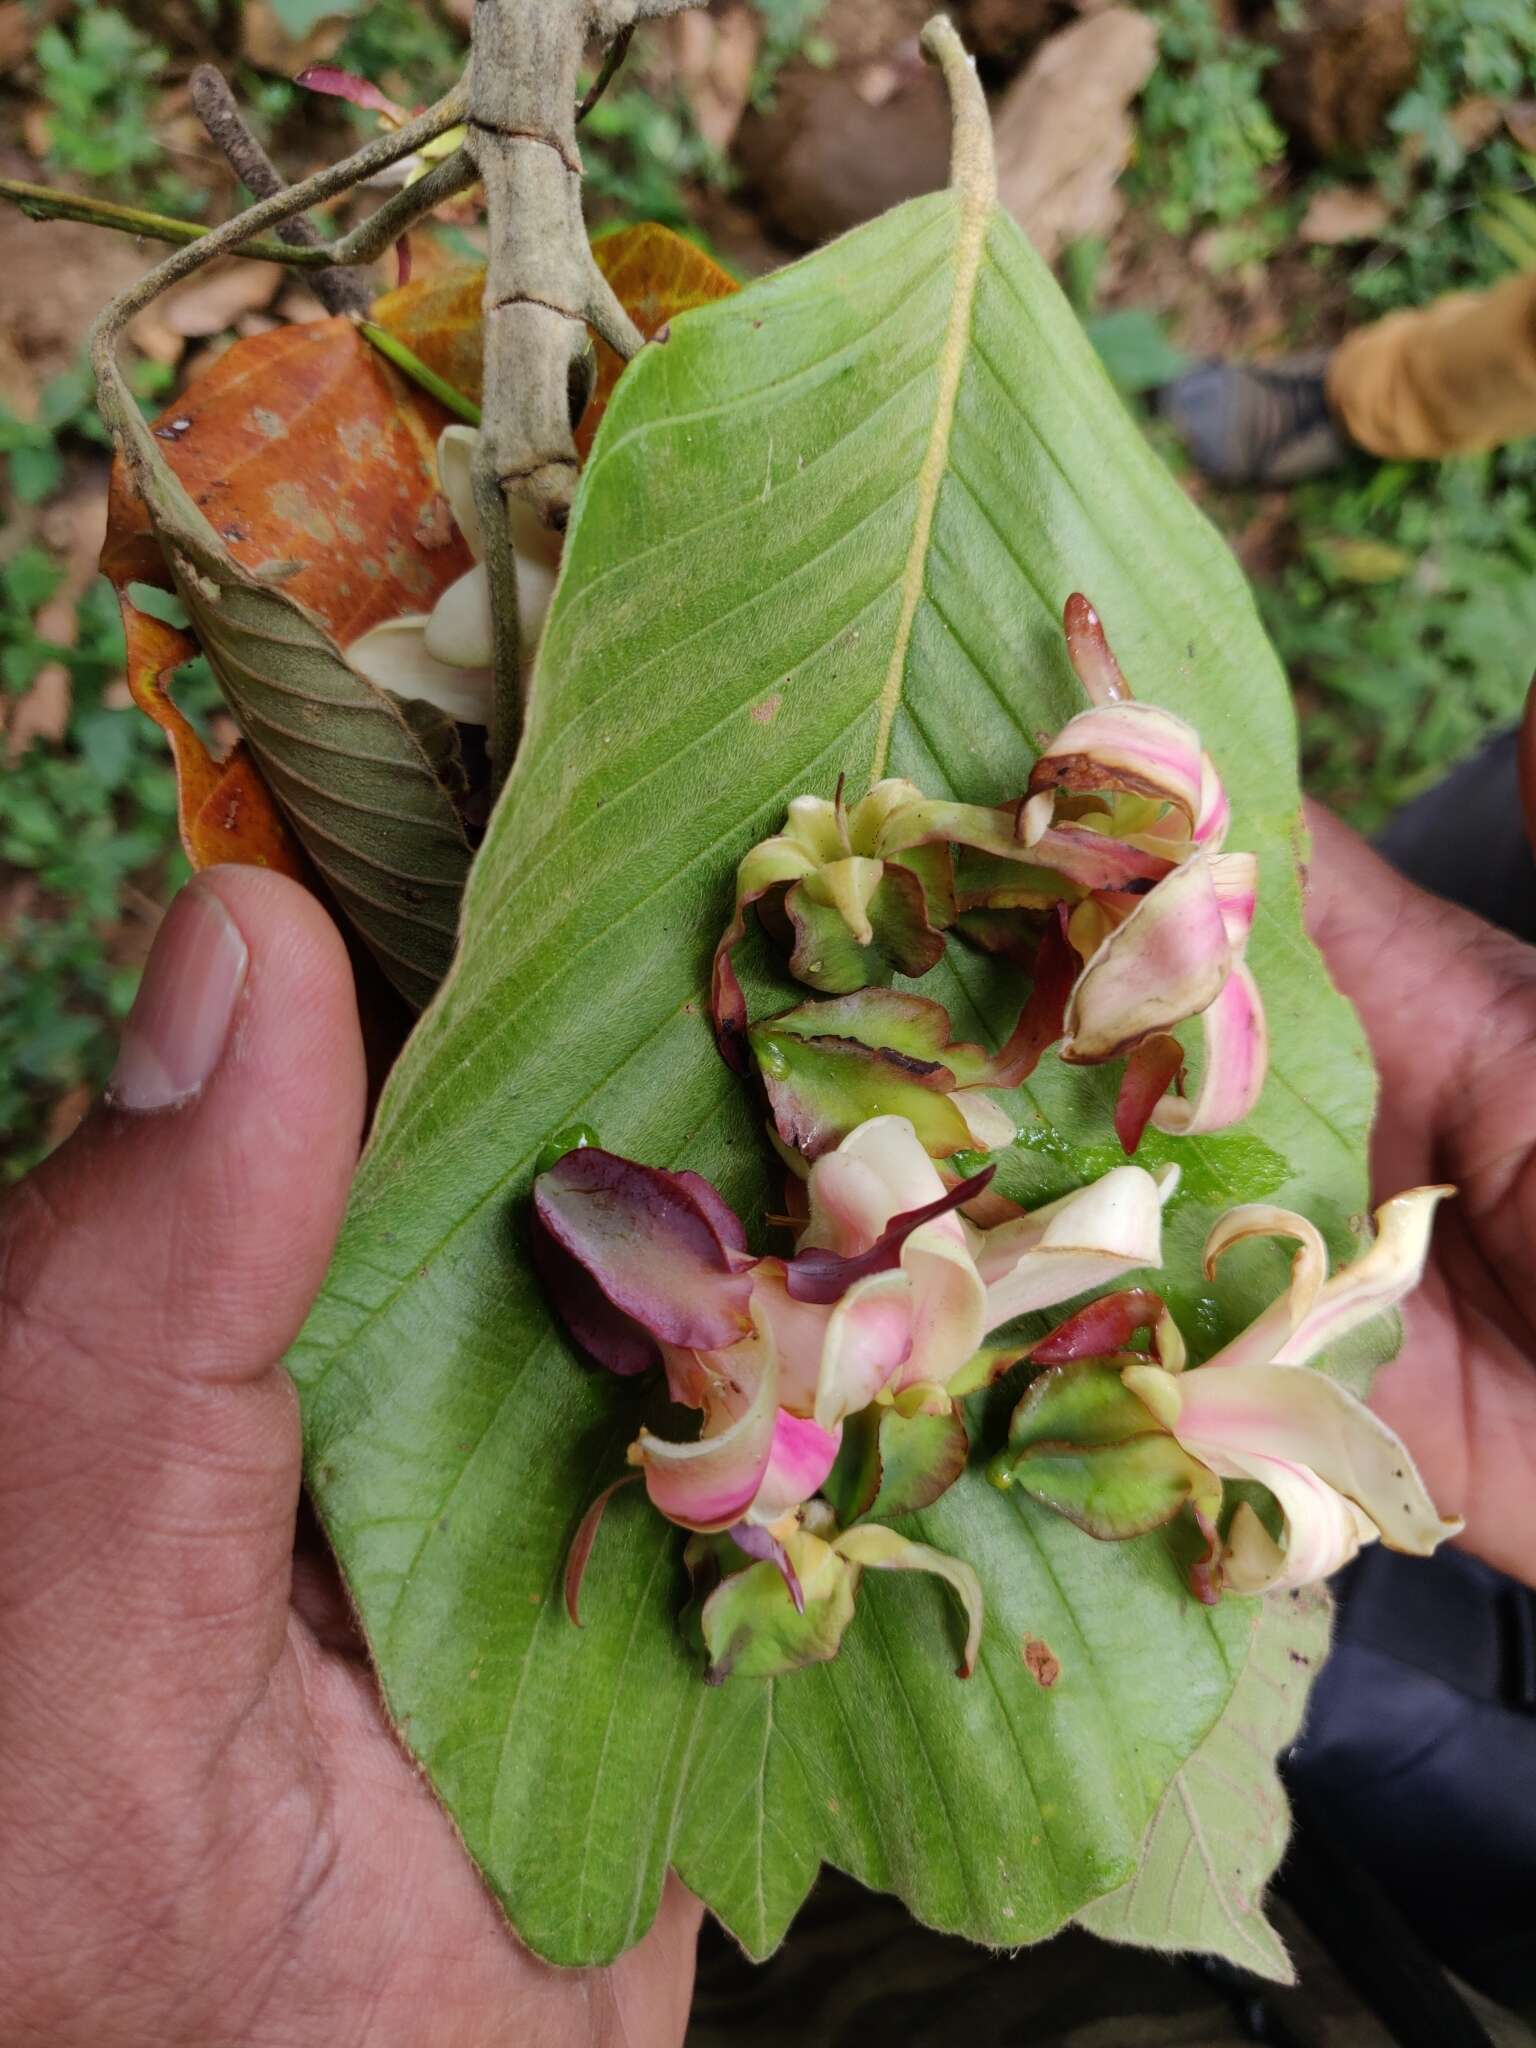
{"type": "Point", "coordinates": [823, 1276]}
{"type": "Point", "coordinates": [767, 1549]}
{"type": "Point", "coordinates": [663, 1248]}
{"type": "Point", "coordinates": [346, 85]}
{"type": "Point", "coordinates": [595, 1325]}
{"type": "Point", "coordinates": [581, 1545]}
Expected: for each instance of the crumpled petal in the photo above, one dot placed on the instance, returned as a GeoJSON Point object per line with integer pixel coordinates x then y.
{"type": "Point", "coordinates": [662, 1247]}
{"type": "Point", "coordinates": [713, 1481]}
{"type": "Point", "coordinates": [880, 1549]}
{"type": "Point", "coordinates": [1234, 1068]}
{"type": "Point", "coordinates": [1090, 1237]}
{"type": "Point", "coordinates": [394, 657]}
{"type": "Point", "coordinates": [800, 1457]}
{"type": "Point", "coordinates": [1243, 1419]}
{"type": "Point", "coordinates": [1323, 1532]}
{"type": "Point", "coordinates": [869, 1333]}
{"type": "Point", "coordinates": [1315, 1313]}
{"type": "Point", "coordinates": [949, 1308]}
{"type": "Point", "coordinates": [1168, 961]}
{"type": "Point", "coordinates": [880, 1170]}
{"type": "Point", "coordinates": [1135, 749]}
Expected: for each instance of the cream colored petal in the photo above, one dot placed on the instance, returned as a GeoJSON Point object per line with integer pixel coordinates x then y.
{"type": "Point", "coordinates": [1377, 1280]}
{"type": "Point", "coordinates": [459, 630]}
{"type": "Point", "coordinates": [394, 657]}
{"type": "Point", "coordinates": [948, 1309]}
{"type": "Point", "coordinates": [812, 826]}
{"type": "Point", "coordinates": [848, 886]}
{"type": "Point", "coordinates": [888, 1148]}
{"type": "Point", "coordinates": [1165, 963]}
{"type": "Point", "coordinates": [1230, 1416]}
{"type": "Point", "coordinates": [990, 1127]}
{"type": "Point", "coordinates": [869, 1333]}
{"type": "Point", "coordinates": [1085, 1240]}
{"type": "Point", "coordinates": [455, 461]}
{"type": "Point", "coordinates": [880, 1549]}
{"type": "Point", "coordinates": [1322, 1532]}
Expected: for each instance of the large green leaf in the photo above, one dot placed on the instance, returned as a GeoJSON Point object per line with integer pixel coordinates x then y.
{"type": "Point", "coordinates": [828, 526]}
{"type": "Point", "coordinates": [1220, 1827]}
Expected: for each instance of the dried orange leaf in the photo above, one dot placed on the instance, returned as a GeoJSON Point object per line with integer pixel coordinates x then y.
{"type": "Point", "coordinates": [291, 500]}
{"type": "Point", "coordinates": [225, 810]}
{"type": "Point", "coordinates": [655, 273]}
{"type": "Point", "coordinates": [303, 447]}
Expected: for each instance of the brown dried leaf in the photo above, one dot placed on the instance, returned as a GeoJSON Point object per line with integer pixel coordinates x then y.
{"type": "Point", "coordinates": [216, 297]}
{"type": "Point", "coordinates": [655, 273]}
{"type": "Point", "coordinates": [295, 504]}
{"type": "Point", "coordinates": [1344, 213]}
{"type": "Point", "coordinates": [225, 810]}
{"type": "Point", "coordinates": [1064, 131]}
{"type": "Point", "coordinates": [303, 447]}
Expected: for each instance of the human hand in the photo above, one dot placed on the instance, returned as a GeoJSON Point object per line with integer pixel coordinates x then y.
{"type": "Point", "coordinates": [208, 1833]}
{"type": "Point", "coordinates": [1449, 1005]}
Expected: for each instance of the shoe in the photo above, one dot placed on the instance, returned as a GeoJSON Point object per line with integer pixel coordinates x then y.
{"type": "Point", "coordinates": [1256, 423]}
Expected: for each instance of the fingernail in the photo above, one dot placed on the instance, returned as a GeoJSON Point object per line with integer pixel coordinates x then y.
{"type": "Point", "coordinates": [175, 1032]}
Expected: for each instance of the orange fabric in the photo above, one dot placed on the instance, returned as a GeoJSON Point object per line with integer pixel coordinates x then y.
{"type": "Point", "coordinates": [1452, 378]}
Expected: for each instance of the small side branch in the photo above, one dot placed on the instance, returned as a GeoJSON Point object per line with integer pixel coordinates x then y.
{"type": "Point", "coordinates": [216, 107]}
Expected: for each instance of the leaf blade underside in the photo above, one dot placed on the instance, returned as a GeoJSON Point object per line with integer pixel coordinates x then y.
{"type": "Point", "coordinates": [742, 581]}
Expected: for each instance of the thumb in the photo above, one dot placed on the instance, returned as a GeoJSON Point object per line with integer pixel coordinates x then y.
{"type": "Point", "coordinates": [152, 1274]}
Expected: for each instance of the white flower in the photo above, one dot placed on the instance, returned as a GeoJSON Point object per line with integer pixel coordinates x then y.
{"type": "Point", "coordinates": [446, 656]}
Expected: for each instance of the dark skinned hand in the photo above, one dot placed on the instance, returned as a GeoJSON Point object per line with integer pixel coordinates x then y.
{"type": "Point", "coordinates": [208, 1834]}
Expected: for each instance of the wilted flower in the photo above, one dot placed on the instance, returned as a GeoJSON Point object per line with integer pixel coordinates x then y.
{"type": "Point", "coordinates": [751, 1629]}
{"type": "Point", "coordinates": [1121, 1446]}
{"type": "Point", "coordinates": [1172, 946]}
{"type": "Point", "coordinates": [850, 916]}
{"type": "Point", "coordinates": [1112, 858]}
{"type": "Point", "coordinates": [446, 656]}
{"type": "Point", "coordinates": [887, 1300]}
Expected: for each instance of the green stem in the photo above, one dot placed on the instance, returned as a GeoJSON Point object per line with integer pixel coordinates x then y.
{"type": "Point", "coordinates": [47, 202]}
{"type": "Point", "coordinates": [419, 373]}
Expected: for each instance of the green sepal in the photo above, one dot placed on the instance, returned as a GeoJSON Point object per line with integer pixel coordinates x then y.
{"type": "Point", "coordinates": [750, 1625]}
{"type": "Point", "coordinates": [820, 1089]}
{"type": "Point", "coordinates": [892, 1464]}
{"type": "Point", "coordinates": [1085, 1404]}
{"type": "Point", "coordinates": [828, 956]}
{"type": "Point", "coordinates": [1112, 1490]}
{"type": "Point", "coordinates": [829, 1066]}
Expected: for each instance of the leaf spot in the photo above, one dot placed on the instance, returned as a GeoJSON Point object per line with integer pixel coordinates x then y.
{"type": "Point", "coordinates": [766, 712]}
{"type": "Point", "coordinates": [1041, 1661]}
{"type": "Point", "coordinates": [267, 423]}
{"type": "Point", "coordinates": [292, 505]}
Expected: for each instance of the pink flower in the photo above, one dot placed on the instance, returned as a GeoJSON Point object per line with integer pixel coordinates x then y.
{"type": "Point", "coordinates": [887, 1299]}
